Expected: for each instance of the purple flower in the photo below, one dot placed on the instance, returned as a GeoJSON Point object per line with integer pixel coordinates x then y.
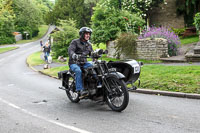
{"type": "Point", "coordinates": [162, 32]}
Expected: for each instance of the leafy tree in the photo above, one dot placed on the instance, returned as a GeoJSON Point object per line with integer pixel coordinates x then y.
{"type": "Point", "coordinates": [66, 9]}
{"type": "Point", "coordinates": [6, 22]}
{"type": "Point", "coordinates": [188, 8]}
{"type": "Point", "coordinates": [63, 38]}
{"type": "Point", "coordinates": [28, 16]}
{"type": "Point", "coordinates": [108, 21]}
{"type": "Point", "coordinates": [197, 22]}
{"type": "Point", "coordinates": [44, 6]}
{"type": "Point", "coordinates": [142, 8]}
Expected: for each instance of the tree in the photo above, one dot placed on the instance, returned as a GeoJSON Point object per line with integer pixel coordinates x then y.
{"type": "Point", "coordinates": [66, 9]}
{"type": "Point", "coordinates": [28, 16]}
{"type": "Point", "coordinates": [142, 8]}
{"type": "Point", "coordinates": [6, 22]}
{"type": "Point", "coordinates": [197, 23]}
{"type": "Point", "coordinates": [109, 20]}
{"type": "Point", "coordinates": [63, 38]}
{"type": "Point", "coordinates": [44, 6]}
{"type": "Point", "coordinates": [188, 8]}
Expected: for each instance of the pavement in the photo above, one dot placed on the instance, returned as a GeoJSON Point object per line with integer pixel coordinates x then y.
{"type": "Point", "coordinates": [182, 51]}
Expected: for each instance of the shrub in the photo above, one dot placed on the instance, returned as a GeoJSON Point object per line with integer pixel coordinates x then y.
{"type": "Point", "coordinates": [35, 31]}
{"type": "Point", "coordinates": [197, 21]}
{"type": "Point", "coordinates": [63, 38]}
{"type": "Point", "coordinates": [7, 40]}
{"type": "Point", "coordinates": [108, 22]}
{"type": "Point", "coordinates": [126, 44]}
{"type": "Point", "coordinates": [162, 32]}
{"type": "Point", "coordinates": [178, 32]}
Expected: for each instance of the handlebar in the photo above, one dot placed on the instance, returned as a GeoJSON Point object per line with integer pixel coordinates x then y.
{"type": "Point", "coordinates": [95, 54]}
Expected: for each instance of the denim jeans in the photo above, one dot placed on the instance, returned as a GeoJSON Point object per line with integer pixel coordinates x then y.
{"type": "Point", "coordinates": [46, 54]}
{"type": "Point", "coordinates": [78, 73]}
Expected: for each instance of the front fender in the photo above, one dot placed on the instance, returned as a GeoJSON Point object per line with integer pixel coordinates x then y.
{"type": "Point", "coordinates": [116, 74]}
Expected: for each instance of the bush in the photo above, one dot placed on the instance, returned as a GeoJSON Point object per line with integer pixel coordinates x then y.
{"type": "Point", "coordinates": [162, 32]}
{"type": "Point", "coordinates": [197, 21]}
{"type": "Point", "coordinates": [108, 22]}
{"type": "Point", "coordinates": [7, 40]}
{"type": "Point", "coordinates": [126, 45]}
{"type": "Point", "coordinates": [35, 31]}
{"type": "Point", "coordinates": [63, 38]}
{"type": "Point", "coordinates": [178, 32]}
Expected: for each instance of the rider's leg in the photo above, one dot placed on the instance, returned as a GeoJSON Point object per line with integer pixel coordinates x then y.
{"type": "Point", "coordinates": [87, 64]}
{"type": "Point", "coordinates": [78, 73]}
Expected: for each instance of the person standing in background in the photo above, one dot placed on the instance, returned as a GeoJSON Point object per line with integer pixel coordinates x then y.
{"type": "Point", "coordinates": [46, 50]}
{"type": "Point", "coordinates": [41, 45]}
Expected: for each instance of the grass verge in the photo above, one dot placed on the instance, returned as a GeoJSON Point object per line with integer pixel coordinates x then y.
{"type": "Point", "coordinates": [2, 50]}
{"type": "Point", "coordinates": [188, 40]}
{"type": "Point", "coordinates": [54, 71]}
{"type": "Point", "coordinates": [34, 59]}
{"type": "Point", "coordinates": [42, 30]}
{"type": "Point", "coordinates": [171, 78]}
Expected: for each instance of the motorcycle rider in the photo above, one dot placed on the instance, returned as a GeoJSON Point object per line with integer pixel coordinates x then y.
{"type": "Point", "coordinates": [80, 46]}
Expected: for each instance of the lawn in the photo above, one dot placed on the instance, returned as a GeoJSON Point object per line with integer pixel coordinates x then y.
{"type": "Point", "coordinates": [188, 40]}
{"type": "Point", "coordinates": [34, 59]}
{"type": "Point", "coordinates": [42, 30]}
{"type": "Point", "coordinates": [2, 50]}
{"type": "Point", "coordinates": [171, 78]}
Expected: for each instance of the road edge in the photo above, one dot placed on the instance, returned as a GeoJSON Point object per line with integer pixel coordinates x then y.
{"type": "Point", "coordinates": [168, 93]}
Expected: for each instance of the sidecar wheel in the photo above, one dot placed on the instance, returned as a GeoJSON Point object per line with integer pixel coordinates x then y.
{"type": "Point", "coordinates": [71, 93]}
{"type": "Point", "coordinates": [118, 99]}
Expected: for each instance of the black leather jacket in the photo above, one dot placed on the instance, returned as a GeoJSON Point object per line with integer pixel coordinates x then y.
{"type": "Point", "coordinates": [79, 47]}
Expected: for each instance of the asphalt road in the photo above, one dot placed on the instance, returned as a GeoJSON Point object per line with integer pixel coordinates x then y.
{"type": "Point", "coordinates": [32, 103]}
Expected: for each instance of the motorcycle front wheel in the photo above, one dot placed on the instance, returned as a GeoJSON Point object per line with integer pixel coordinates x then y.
{"type": "Point", "coordinates": [118, 98]}
{"type": "Point", "coordinates": [70, 91]}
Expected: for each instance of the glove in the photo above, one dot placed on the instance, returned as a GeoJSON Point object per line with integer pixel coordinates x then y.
{"type": "Point", "coordinates": [75, 56]}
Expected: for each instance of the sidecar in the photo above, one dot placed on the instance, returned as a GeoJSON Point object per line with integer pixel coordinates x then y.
{"type": "Point", "coordinates": [131, 69]}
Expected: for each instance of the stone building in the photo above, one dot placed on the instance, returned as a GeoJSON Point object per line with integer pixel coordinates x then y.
{"type": "Point", "coordinates": [165, 15]}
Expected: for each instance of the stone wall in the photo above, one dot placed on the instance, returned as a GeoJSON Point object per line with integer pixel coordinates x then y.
{"type": "Point", "coordinates": [146, 49]}
{"type": "Point", "coordinates": [165, 15]}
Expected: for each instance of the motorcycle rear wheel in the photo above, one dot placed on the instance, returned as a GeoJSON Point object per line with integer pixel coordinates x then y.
{"type": "Point", "coordinates": [118, 99]}
{"type": "Point", "coordinates": [71, 93]}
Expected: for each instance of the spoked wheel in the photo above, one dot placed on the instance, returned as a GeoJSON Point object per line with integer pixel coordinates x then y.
{"type": "Point", "coordinates": [71, 93]}
{"type": "Point", "coordinates": [119, 97]}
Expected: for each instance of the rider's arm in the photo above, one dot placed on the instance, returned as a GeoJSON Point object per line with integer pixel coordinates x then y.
{"type": "Point", "coordinates": [90, 49]}
{"type": "Point", "coordinates": [72, 48]}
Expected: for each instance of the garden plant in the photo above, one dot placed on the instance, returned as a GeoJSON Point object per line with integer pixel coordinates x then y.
{"type": "Point", "coordinates": [162, 32]}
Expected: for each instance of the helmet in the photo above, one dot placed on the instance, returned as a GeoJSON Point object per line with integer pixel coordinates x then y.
{"type": "Point", "coordinates": [83, 30]}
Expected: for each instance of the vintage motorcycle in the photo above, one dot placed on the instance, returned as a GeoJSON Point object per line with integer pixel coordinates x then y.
{"type": "Point", "coordinates": [114, 90]}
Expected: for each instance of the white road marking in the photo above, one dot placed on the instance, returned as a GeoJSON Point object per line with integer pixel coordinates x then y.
{"type": "Point", "coordinates": [45, 119]}
{"type": "Point", "coordinates": [11, 85]}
